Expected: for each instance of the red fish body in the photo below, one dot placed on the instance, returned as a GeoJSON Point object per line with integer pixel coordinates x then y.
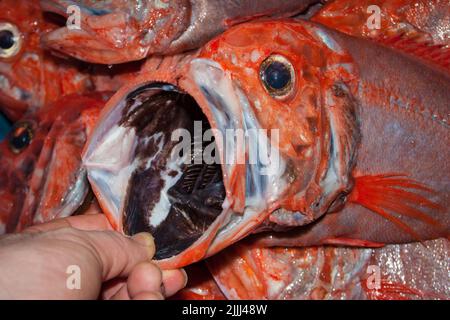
{"type": "Point", "coordinates": [244, 272]}
{"type": "Point", "coordinates": [41, 177]}
{"type": "Point", "coordinates": [388, 174]}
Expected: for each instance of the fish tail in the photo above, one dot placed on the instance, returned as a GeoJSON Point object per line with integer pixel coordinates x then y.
{"type": "Point", "coordinates": [389, 194]}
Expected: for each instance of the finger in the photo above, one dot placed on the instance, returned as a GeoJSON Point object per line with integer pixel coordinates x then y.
{"type": "Point", "coordinates": [174, 281]}
{"type": "Point", "coordinates": [83, 222]}
{"type": "Point", "coordinates": [117, 254]}
{"type": "Point", "coordinates": [145, 277]}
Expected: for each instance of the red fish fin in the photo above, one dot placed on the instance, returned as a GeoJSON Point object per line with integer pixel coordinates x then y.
{"type": "Point", "coordinates": [434, 53]}
{"type": "Point", "coordinates": [389, 194]}
{"type": "Point", "coordinates": [340, 241]}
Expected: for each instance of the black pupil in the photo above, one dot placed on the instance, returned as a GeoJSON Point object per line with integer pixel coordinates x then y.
{"type": "Point", "coordinates": [6, 39]}
{"type": "Point", "coordinates": [20, 138]}
{"type": "Point", "coordinates": [277, 76]}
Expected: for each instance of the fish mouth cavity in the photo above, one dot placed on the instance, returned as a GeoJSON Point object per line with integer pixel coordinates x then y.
{"type": "Point", "coordinates": [150, 178]}
{"type": "Point", "coordinates": [171, 194]}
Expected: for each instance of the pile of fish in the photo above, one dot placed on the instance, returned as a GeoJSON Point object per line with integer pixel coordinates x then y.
{"type": "Point", "coordinates": [346, 102]}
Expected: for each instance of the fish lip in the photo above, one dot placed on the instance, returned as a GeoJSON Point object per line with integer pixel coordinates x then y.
{"type": "Point", "coordinates": [230, 225]}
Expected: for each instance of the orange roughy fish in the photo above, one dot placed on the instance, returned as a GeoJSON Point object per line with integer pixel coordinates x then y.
{"type": "Point", "coordinates": [418, 27]}
{"type": "Point", "coordinates": [41, 177]}
{"type": "Point", "coordinates": [362, 150]}
{"type": "Point", "coordinates": [120, 31]}
{"type": "Point", "coordinates": [31, 78]}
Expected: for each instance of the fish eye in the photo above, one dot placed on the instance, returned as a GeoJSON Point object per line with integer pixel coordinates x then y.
{"type": "Point", "coordinates": [20, 136]}
{"type": "Point", "coordinates": [278, 76]}
{"type": "Point", "coordinates": [10, 40]}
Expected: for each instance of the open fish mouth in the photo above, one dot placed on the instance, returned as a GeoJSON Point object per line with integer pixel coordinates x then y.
{"type": "Point", "coordinates": [193, 205]}
{"type": "Point", "coordinates": [169, 194]}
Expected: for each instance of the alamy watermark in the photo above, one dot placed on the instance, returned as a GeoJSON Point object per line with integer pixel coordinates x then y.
{"type": "Point", "coordinates": [73, 281]}
{"type": "Point", "coordinates": [373, 281]}
{"type": "Point", "coordinates": [374, 20]}
{"type": "Point", "coordinates": [73, 17]}
{"type": "Point", "coordinates": [259, 147]}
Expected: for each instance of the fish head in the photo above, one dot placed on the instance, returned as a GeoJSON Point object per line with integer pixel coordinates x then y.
{"type": "Point", "coordinates": [260, 125]}
{"type": "Point", "coordinates": [116, 31]}
{"type": "Point", "coordinates": [41, 177]}
{"type": "Point", "coordinates": [293, 80]}
{"type": "Point", "coordinates": [20, 58]}
{"type": "Point", "coordinates": [30, 77]}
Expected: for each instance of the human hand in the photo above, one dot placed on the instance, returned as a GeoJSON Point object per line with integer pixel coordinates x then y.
{"type": "Point", "coordinates": [34, 263]}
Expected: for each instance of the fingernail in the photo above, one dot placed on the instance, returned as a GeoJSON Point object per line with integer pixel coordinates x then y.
{"type": "Point", "coordinates": [145, 239]}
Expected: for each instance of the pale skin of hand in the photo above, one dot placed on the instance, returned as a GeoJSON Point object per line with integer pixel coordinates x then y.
{"type": "Point", "coordinates": [34, 263]}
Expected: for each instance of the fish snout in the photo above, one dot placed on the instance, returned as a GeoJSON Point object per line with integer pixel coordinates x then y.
{"type": "Point", "coordinates": [134, 31]}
